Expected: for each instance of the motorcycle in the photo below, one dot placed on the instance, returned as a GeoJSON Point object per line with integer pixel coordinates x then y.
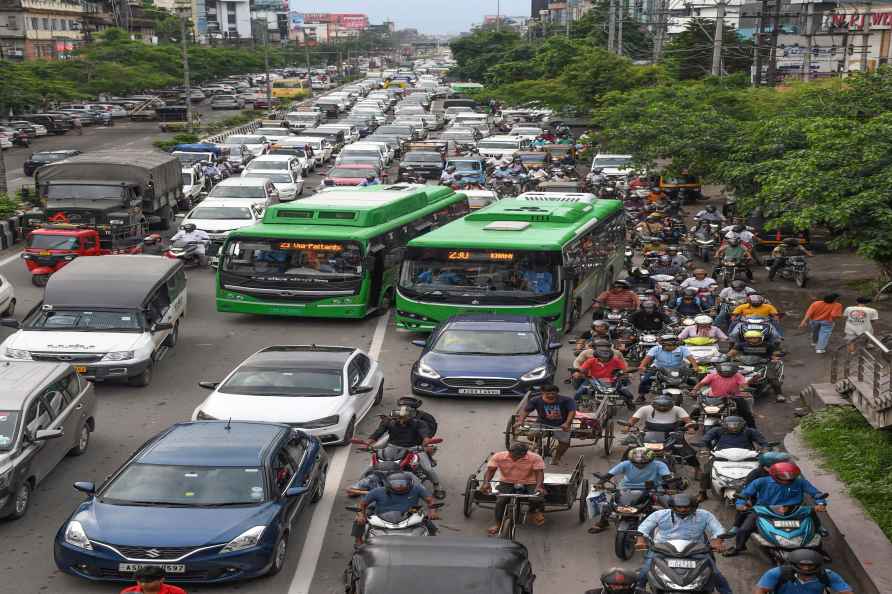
{"type": "Point", "coordinates": [628, 508]}
{"type": "Point", "coordinates": [706, 351]}
{"type": "Point", "coordinates": [682, 566]}
{"type": "Point", "coordinates": [704, 243]}
{"type": "Point", "coordinates": [662, 443]}
{"type": "Point", "coordinates": [781, 529]}
{"type": "Point", "coordinates": [711, 411]}
{"type": "Point", "coordinates": [412, 523]}
{"type": "Point", "coordinates": [731, 270]}
{"type": "Point", "coordinates": [187, 251]}
{"type": "Point", "coordinates": [730, 467]}
{"type": "Point", "coordinates": [756, 369]}
{"type": "Point", "coordinates": [406, 457]}
{"type": "Point", "coordinates": [795, 269]}
{"type": "Point", "coordinates": [680, 379]}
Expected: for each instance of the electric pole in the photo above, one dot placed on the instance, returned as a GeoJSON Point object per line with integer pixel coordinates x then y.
{"type": "Point", "coordinates": [660, 30]}
{"type": "Point", "coordinates": [611, 26]}
{"type": "Point", "coordinates": [809, 41]}
{"type": "Point", "coordinates": [269, 83]}
{"type": "Point", "coordinates": [771, 76]}
{"type": "Point", "coordinates": [865, 38]}
{"type": "Point", "coordinates": [718, 38]}
{"type": "Point", "coordinates": [186, 80]}
{"type": "Point", "coordinates": [763, 12]}
{"type": "Point", "coordinates": [498, 15]}
{"type": "Point", "coordinates": [619, 27]}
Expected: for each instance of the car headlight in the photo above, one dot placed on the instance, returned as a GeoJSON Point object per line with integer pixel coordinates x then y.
{"type": "Point", "coordinates": [203, 416]}
{"type": "Point", "coordinates": [248, 538]}
{"type": "Point", "coordinates": [76, 537]}
{"type": "Point", "coordinates": [425, 370]}
{"type": "Point", "coordinates": [535, 374]}
{"type": "Point", "coordinates": [118, 356]}
{"type": "Point", "coordinates": [319, 423]}
{"type": "Point", "coordinates": [18, 354]}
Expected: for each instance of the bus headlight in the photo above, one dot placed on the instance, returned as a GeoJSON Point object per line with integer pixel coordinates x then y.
{"type": "Point", "coordinates": [425, 370]}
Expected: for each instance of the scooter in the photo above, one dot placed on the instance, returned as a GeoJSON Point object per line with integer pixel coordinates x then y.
{"type": "Point", "coordinates": [682, 566]}
{"type": "Point", "coordinates": [412, 523]}
{"type": "Point", "coordinates": [781, 529]}
{"type": "Point", "coordinates": [628, 508]}
{"type": "Point", "coordinates": [187, 251]}
{"type": "Point", "coordinates": [730, 467]}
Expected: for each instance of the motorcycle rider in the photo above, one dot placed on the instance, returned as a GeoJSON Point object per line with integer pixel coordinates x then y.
{"type": "Point", "coordinates": [447, 178]}
{"type": "Point", "coordinates": [688, 304]}
{"type": "Point", "coordinates": [704, 285]}
{"type": "Point", "coordinates": [639, 279]}
{"type": "Point", "coordinates": [619, 296]}
{"type": "Point", "coordinates": [649, 318]}
{"type": "Point", "coordinates": [371, 180]}
{"type": "Point", "coordinates": [552, 411]}
{"type": "Point", "coordinates": [664, 415]}
{"type": "Point", "coordinates": [599, 329]}
{"type": "Point", "coordinates": [639, 470]}
{"type": "Point", "coordinates": [790, 247]}
{"type": "Point", "coordinates": [755, 344]}
{"type": "Point", "coordinates": [710, 214]}
{"type": "Point", "coordinates": [682, 521]}
{"type": "Point", "coordinates": [757, 306]}
{"type": "Point", "coordinates": [669, 354]}
{"type": "Point", "coordinates": [651, 227]}
{"type": "Point", "coordinates": [666, 267]}
{"type": "Point", "coordinates": [151, 245]}
{"type": "Point", "coordinates": [766, 461]}
{"type": "Point", "coordinates": [190, 233]}
{"type": "Point", "coordinates": [604, 366]}
{"type": "Point", "coordinates": [732, 433]}
{"type": "Point", "coordinates": [678, 259]}
{"type": "Point", "coordinates": [802, 574]}
{"type": "Point", "coordinates": [729, 298]}
{"type": "Point", "coordinates": [784, 485]}
{"type": "Point", "coordinates": [703, 328]}
{"type": "Point", "coordinates": [408, 431]}
{"type": "Point", "coordinates": [727, 382]}
{"type": "Point", "coordinates": [616, 581]}
{"type": "Point", "coordinates": [517, 466]}
{"type": "Point", "coordinates": [736, 252]}
{"type": "Point", "coordinates": [401, 494]}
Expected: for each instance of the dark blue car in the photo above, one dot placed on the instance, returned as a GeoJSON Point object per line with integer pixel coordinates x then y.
{"type": "Point", "coordinates": [486, 355]}
{"type": "Point", "coordinates": [210, 501]}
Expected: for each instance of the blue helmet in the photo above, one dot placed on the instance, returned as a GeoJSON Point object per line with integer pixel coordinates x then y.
{"type": "Point", "coordinates": [770, 458]}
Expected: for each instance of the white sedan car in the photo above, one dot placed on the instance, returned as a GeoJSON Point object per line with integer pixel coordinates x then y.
{"type": "Point", "coordinates": [323, 390]}
{"type": "Point", "coordinates": [7, 298]}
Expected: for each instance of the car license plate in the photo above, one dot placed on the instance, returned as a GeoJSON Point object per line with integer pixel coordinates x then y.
{"type": "Point", "coordinates": [786, 523]}
{"type": "Point", "coordinates": [44, 254]}
{"type": "Point", "coordinates": [681, 563]}
{"type": "Point", "coordinates": [134, 567]}
{"type": "Point", "coordinates": [479, 391]}
{"type": "Point", "coordinates": [80, 369]}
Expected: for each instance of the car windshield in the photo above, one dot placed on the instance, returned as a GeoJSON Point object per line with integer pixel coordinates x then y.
{"type": "Point", "coordinates": [221, 191]}
{"type": "Point", "coordinates": [610, 162]}
{"type": "Point", "coordinates": [272, 131]}
{"type": "Point", "coordinates": [85, 321]}
{"type": "Point", "coordinates": [220, 213]}
{"type": "Point", "coordinates": [41, 241]}
{"type": "Point", "coordinates": [466, 165]}
{"type": "Point", "coordinates": [9, 421]}
{"type": "Point", "coordinates": [533, 158]}
{"type": "Point", "coordinates": [486, 342]}
{"type": "Point", "coordinates": [289, 150]}
{"type": "Point", "coordinates": [424, 157]}
{"type": "Point", "coordinates": [185, 486]}
{"type": "Point", "coordinates": [304, 263]}
{"type": "Point", "coordinates": [350, 173]}
{"type": "Point", "coordinates": [236, 140]}
{"type": "Point", "coordinates": [497, 144]}
{"type": "Point", "coordinates": [276, 178]}
{"type": "Point", "coordinates": [82, 191]}
{"type": "Point", "coordinates": [47, 157]}
{"type": "Point", "coordinates": [263, 164]}
{"type": "Point", "coordinates": [526, 131]}
{"type": "Point", "coordinates": [291, 381]}
{"type": "Point", "coordinates": [187, 179]}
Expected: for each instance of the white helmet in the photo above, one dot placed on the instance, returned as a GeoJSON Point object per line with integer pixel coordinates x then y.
{"type": "Point", "coordinates": [703, 320]}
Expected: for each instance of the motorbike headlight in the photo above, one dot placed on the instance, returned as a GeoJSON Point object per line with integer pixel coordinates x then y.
{"type": "Point", "coordinates": [203, 416]}
{"type": "Point", "coordinates": [323, 422]}
{"type": "Point", "coordinates": [248, 538]}
{"type": "Point", "coordinates": [534, 374]}
{"type": "Point", "coordinates": [76, 537]}
{"type": "Point", "coordinates": [788, 543]}
{"type": "Point", "coordinates": [118, 356]}
{"type": "Point", "coordinates": [18, 354]}
{"type": "Point", "coordinates": [425, 370]}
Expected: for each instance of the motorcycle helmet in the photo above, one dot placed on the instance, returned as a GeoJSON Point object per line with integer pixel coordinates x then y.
{"type": "Point", "coordinates": [620, 284]}
{"type": "Point", "coordinates": [641, 457]}
{"type": "Point", "coordinates": [791, 241]}
{"type": "Point", "coordinates": [726, 369]}
{"type": "Point", "coordinates": [663, 403]}
{"type": "Point", "coordinates": [753, 337]}
{"type": "Point", "coordinates": [600, 324]}
{"type": "Point", "coordinates": [806, 561]}
{"type": "Point", "coordinates": [769, 459]}
{"type": "Point", "coordinates": [665, 260]}
{"type": "Point", "coordinates": [603, 355]}
{"type": "Point", "coordinates": [682, 505]}
{"type": "Point", "coordinates": [710, 208]}
{"type": "Point", "coordinates": [654, 218]}
{"type": "Point", "coordinates": [733, 424]}
{"type": "Point", "coordinates": [738, 285]}
{"type": "Point", "coordinates": [601, 343]}
{"type": "Point", "coordinates": [410, 401]}
{"type": "Point", "coordinates": [784, 472]}
{"type": "Point", "coordinates": [152, 239]}
{"type": "Point", "coordinates": [398, 483]}
{"type": "Point", "coordinates": [738, 228]}
{"type": "Point", "coordinates": [669, 340]}
{"type": "Point", "coordinates": [672, 250]}
{"type": "Point", "coordinates": [755, 299]}
{"type": "Point", "coordinates": [689, 292]}
{"type": "Point", "coordinates": [189, 227]}
{"type": "Point", "coordinates": [642, 272]}
{"type": "Point", "coordinates": [618, 580]}
{"type": "Point", "coordinates": [703, 320]}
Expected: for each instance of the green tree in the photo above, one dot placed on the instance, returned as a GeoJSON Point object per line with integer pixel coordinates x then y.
{"type": "Point", "coordinates": [689, 54]}
{"type": "Point", "coordinates": [478, 52]}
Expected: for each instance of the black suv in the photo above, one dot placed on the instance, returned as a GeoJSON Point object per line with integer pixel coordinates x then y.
{"type": "Point", "coordinates": [419, 164]}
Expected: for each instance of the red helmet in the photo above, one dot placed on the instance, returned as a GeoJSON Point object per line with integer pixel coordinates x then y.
{"type": "Point", "coordinates": [784, 472]}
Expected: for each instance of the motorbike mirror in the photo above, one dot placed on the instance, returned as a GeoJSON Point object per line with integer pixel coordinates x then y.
{"type": "Point", "coordinates": [296, 491]}
{"type": "Point", "coordinates": [553, 346]}
{"type": "Point", "coordinates": [436, 505]}
{"type": "Point", "coordinates": [161, 326]}
{"type": "Point", "coordinates": [773, 444]}
{"type": "Point", "coordinates": [419, 342]}
{"type": "Point", "coordinates": [725, 536]}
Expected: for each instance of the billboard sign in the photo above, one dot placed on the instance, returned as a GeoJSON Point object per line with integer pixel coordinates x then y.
{"type": "Point", "coordinates": [295, 17]}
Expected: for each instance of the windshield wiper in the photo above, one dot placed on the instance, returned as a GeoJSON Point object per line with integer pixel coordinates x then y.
{"type": "Point", "coordinates": [147, 503]}
{"type": "Point", "coordinates": [226, 504]}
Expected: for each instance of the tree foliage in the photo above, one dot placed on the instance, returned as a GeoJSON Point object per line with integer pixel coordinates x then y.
{"type": "Point", "coordinates": [689, 54]}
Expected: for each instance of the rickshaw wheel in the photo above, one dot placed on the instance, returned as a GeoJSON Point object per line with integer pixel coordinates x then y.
{"type": "Point", "coordinates": [607, 435]}
{"type": "Point", "coordinates": [509, 432]}
{"type": "Point", "coordinates": [583, 504]}
{"type": "Point", "coordinates": [470, 489]}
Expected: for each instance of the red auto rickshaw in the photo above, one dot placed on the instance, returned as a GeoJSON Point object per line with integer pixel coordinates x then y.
{"type": "Point", "coordinates": [52, 247]}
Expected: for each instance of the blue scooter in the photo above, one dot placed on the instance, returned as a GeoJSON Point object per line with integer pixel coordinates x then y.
{"type": "Point", "coordinates": [781, 529]}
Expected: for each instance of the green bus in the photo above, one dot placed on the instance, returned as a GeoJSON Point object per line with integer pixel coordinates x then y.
{"type": "Point", "coordinates": [545, 254]}
{"type": "Point", "coordinates": [333, 255]}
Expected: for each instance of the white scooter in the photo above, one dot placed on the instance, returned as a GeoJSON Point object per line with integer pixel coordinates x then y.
{"type": "Point", "coordinates": [730, 468]}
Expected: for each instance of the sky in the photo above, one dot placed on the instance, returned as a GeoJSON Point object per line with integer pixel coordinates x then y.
{"type": "Point", "coordinates": [428, 16]}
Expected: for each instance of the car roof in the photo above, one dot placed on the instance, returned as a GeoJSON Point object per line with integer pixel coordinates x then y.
{"type": "Point", "coordinates": [326, 356]}
{"type": "Point", "coordinates": [242, 181]}
{"type": "Point", "coordinates": [113, 282]}
{"type": "Point", "coordinates": [264, 158]}
{"type": "Point", "coordinates": [18, 379]}
{"type": "Point", "coordinates": [57, 152]}
{"type": "Point", "coordinates": [227, 202]}
{"type": "Point", "coordinates": [213, 443]}
{"type": "Point", "coordinates": [501, 322]}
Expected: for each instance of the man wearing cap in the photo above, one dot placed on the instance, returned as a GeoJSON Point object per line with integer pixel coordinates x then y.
{"type": "Point", "coordinates": [150, 580]}
{"type": "Point", "coordinates": [516, 466]}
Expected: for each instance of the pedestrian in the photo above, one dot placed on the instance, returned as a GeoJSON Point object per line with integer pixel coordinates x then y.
{"type": "Point", "coordinates": [76, 124]}
{"type": "Point", "coordinates": [150, 580]}
{"type": "Point", "coordinates": [859, 319]}
{"type": "Point", "coordinates": [820, 317]}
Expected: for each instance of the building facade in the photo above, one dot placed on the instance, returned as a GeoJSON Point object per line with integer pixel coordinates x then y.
{"type": "Point", "coordinates": [49, 29]}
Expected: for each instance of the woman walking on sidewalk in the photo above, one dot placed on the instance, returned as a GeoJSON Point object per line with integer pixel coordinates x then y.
{"type": "Point", "coordinates": [820, 317]}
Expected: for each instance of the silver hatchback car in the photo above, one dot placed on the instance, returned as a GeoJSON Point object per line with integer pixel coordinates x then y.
{"type": "Point", "coordinates": [47, 411]}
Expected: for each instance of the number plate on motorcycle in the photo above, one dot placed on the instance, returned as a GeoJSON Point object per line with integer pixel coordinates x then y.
{"type": "Point", "coordinates": [681, 563]}
{"type": "Point", "coordinates": [786, 523]}
{"type": "Point", "coordinates": [479, 391]}
{"type": "Point", "coordinates": [711, 410]}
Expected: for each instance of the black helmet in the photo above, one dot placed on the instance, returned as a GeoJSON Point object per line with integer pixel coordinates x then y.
{"type": "Point", "coordinates": [710, 208]}
{"type": "Point", "coordinates": [682, 504]}
{"type": "Point", "coordinates": [738, 228]}
{"type": "Point", "coordinates": [399, 483]}
{"type": "Point", "coordinates": [189, 227]}
{"type": "Point", "coordinates": [601, 343]}
{"type": "Point", "coordinates": [663, 403]}
{"type": "Point", "coordinates": [806, 561]}
{"type": "Point", "coordinates": [726, 369]}
{"type": "Point", "coordinates": [409, 401]}
{"type": "Point", "coordinates": [733, 424]}
{"type": "Point", "coordinates": [665, 259]}
{"type": "Point", "coordinates": [604, 354]}
{"type": "Point", "coordinates": [621, 284]}
{"type": "Point", "coordinates": [791, 241]}
{"type": "Point", "coordinates": [689, 292]}
{"type": "Point", "coordinates": [618, 580]}
{"type": "Point", "coordinates": [738, 285]}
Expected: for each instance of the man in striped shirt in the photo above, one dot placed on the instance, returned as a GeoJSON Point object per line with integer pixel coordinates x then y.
{"type": "Point", "coordinates": [618, 296]}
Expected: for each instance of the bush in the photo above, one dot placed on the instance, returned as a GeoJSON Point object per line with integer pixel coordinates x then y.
{"type": "Point", "coordinates": [183, 138]}
{"type": "Point", "coordinates": [860, 455]}
{"type": "Point", "coordinates": [8, 206]}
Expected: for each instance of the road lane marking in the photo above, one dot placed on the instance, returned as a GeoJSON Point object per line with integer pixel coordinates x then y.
{"type": "Point", "coordinates": [8, 259]}
{"type": "Point", "coordinates": [315, 536]}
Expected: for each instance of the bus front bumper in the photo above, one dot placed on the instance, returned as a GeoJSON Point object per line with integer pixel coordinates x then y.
{"type": "Point", "coordinates": [307, 310]}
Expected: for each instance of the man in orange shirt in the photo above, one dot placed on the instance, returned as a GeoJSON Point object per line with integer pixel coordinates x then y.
{"type": "Point", "coordinates": [150, 580]}
{"type": "Point", "coordinates": [517, 466]}
{"type": "Point", "coordinates": [820, 317]}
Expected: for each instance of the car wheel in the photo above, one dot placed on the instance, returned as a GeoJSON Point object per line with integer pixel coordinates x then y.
{"type": "Point", "coordinates": [21, 501]}
{"type": "Point", "coordinates": [39, 280]}
{"type": "Point", "coordinates": [379, 396]}
{"type": "Point", "coordinates": [83, 441]}
{"type": "Point", "coordinates": [348, 434]}
{"type": "Point", "coordinates": [10, 310]}
{"type": "Point", "coordinates": [143, 379]}
{"type": "Point", "coordinates": [171, 340]}
{"type": "Point", "coordinates": [280, 554]}
{"type": "Point", "coordinates": [319, 491]}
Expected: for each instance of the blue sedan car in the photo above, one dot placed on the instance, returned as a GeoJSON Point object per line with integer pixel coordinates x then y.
{"type": "Point", "coordinates": [209, 501]}
{"type": "Point", "coordinates": [486, 355]}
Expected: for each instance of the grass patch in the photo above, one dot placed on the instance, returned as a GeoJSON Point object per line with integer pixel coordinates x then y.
{"type": "Point", "coordinates": [183, 138]}
{"type": "Point", "coordinates": [860, 455]}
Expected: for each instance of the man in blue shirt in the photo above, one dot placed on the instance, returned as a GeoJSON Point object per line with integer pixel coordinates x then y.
{"type": "Point", "coordinates": [638, 470]}
{"type": "Point", "coordinates": [399, 494]}
{"type": "Point", "coordinates": [782, 486]}
{"type": "Point", "coordinates": [682, 521]}
{"type": "Point", "coordinates": [732, 433]}
{"type": "Point", "coordinates": [803, 574]}
{"type": "Point", "coordinates": [670, 354]}
{"type": "Point", "coordinates": [555, 411]}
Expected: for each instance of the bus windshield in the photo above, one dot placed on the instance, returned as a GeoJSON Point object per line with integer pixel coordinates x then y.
{"type": "Point", "coordinates": [481, 275]}
{"type": "Point", "coordinates": [302, 263]}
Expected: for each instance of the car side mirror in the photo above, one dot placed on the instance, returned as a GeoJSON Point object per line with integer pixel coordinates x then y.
{"type": "Point", "coordinates": [85, 487]}
{"type": "Point", "coordinates": [161, 326]}
{"type": "Point", "coordinates": [208, 385]}
{"type": "Point", "coordinates": [362, 389]}
{"type": "Point", "coordinates": [10, 323]}
{"type": "Point", "coordinates": [554, 346]}
{"type": "Point", "coordinates": [420, 343]}
{"type": "Point", "coordinates": [45, 434]}
{"type": "Point", "coordinates": [295, 491]}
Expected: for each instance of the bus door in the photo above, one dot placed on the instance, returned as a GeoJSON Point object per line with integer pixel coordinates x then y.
{"type": "Point", "coordinates": [377, 252]}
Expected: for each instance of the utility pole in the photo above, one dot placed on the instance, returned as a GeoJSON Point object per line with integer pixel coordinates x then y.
{"type": "Point", "coordinates": [619, 26]}
{"type": "Point", "coordinates": [498, 15]}
{"type": "Point", "coordinates": [809, 41]}
{"type": "Point", "coordinates": [660, 30]}
{"type": "Point", "coordinates": [269, 83]}
{"type": "Point", "coordinates": [865, 38]}
{"type": "Point", "coordinates": [307, 51]}
{"type": "Point", "coordinates": [771, 75]}
{"type": "Point", "coordinates": [763, 12]}
{"type": "Point", "coordinates": [718, 38]}
{"type": "Point", "coordinates": [186, 80]}
{"type": "Point", "coordinates": [611, 26]}
{"type": "Point", "coordinates": [3, 187]}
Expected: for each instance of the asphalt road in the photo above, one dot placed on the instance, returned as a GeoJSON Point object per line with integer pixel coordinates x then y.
{"type": "Point", "coordinates": [565, 557]}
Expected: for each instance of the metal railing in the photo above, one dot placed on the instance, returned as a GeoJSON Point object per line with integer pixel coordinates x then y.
{"type": "Point", "coordinates": [862, 372]}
